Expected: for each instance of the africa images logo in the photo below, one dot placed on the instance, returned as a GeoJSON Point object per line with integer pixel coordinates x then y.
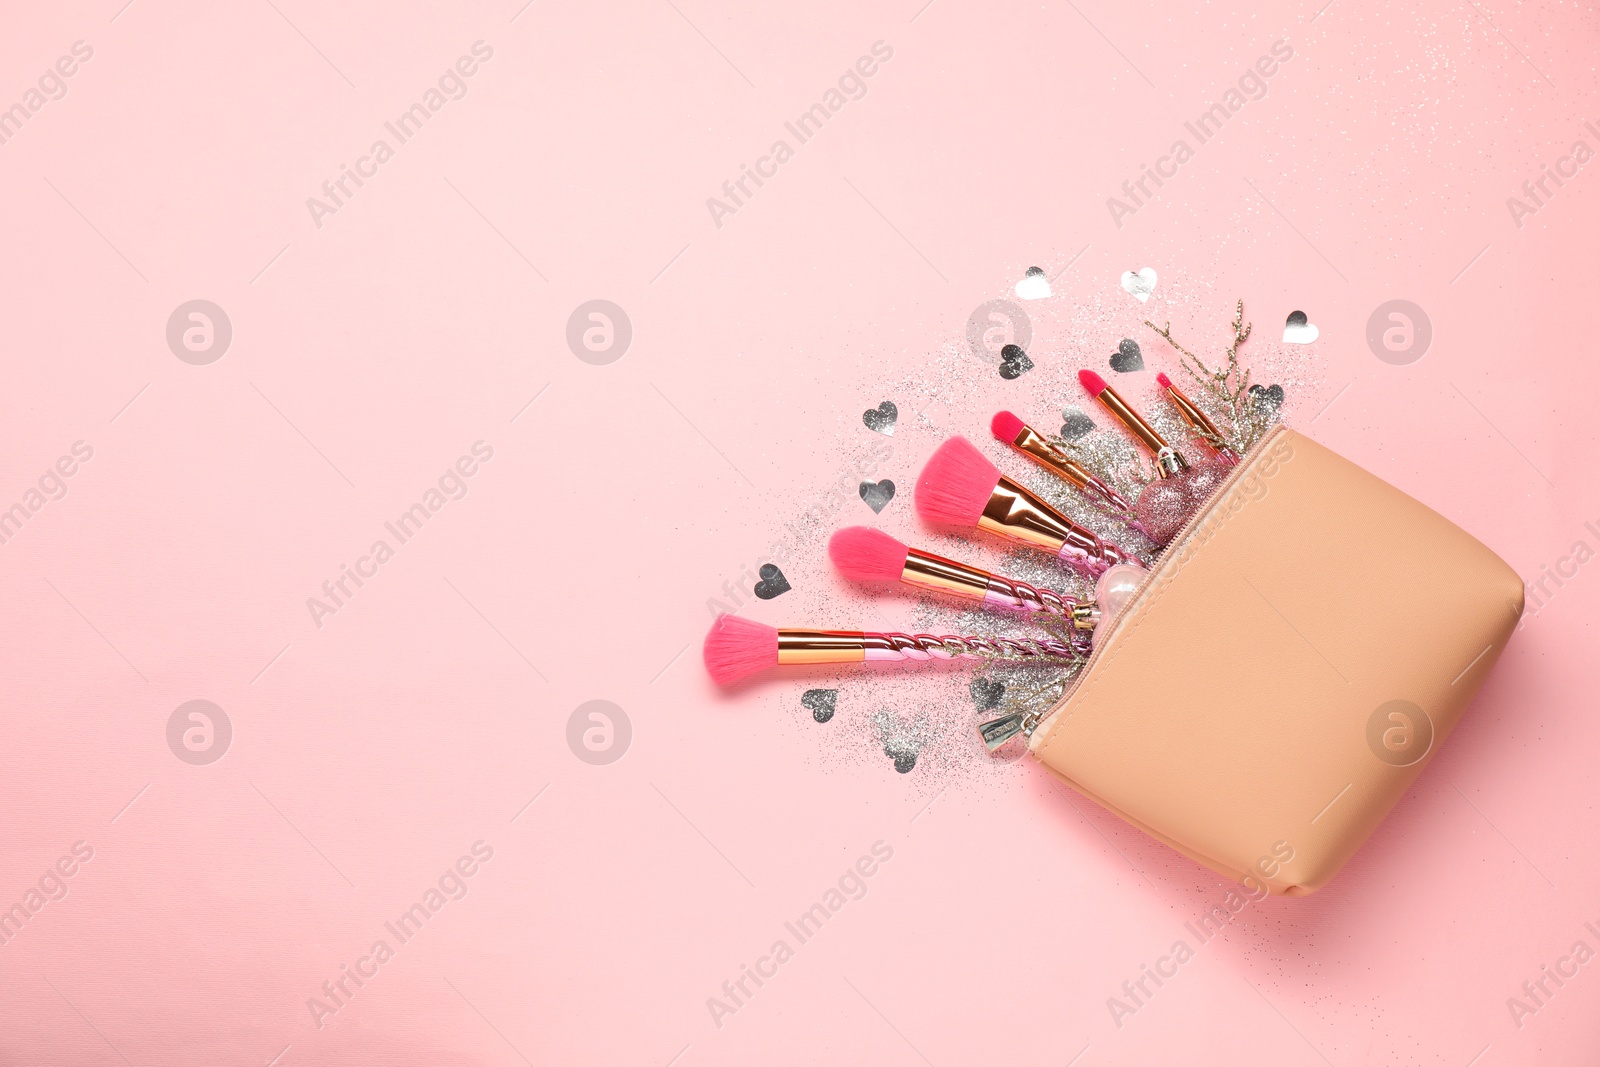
{"type": "Point", "coordinates": [451, 85]}
{"type": "Point", "coordinates": [1251, 85]}
{"type": "Point", "coordinates": [852, 85]}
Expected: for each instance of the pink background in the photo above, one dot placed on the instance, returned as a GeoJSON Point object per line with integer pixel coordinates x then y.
{"type": "Point", "coordinates": [370, 352]}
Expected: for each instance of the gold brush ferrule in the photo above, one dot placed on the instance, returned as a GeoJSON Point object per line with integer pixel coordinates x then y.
{"type": "Point", "coordinates": [1016, 513]}
{"type": "Point", "coordinates": [1048, 456]}
{"type": "Point", "coordinates": [1198, 420]}
{"type": "Point", "coordinates": [1168, 461]}
{"type": "Point", "coordinates": [821, 646]}
{"type": "Point", "coordinates": [939, 575]}
{"type": "Point", "coordinates": [1042, 452]}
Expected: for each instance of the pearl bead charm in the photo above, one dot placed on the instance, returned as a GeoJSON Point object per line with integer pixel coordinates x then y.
{"type": "Point", "coordinates": [1113, 590]}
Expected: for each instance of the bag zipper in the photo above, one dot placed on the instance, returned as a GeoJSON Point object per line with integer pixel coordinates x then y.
{"type": "Point", "coordinates": [997, 732]}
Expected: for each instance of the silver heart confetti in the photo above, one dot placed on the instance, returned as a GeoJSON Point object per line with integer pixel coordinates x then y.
{"type": "Point", "coordinates": [772, 582]}
{"type": "Point", "coordinates": [882, 418]}
{"type": "Point", "coordinates": [877, 494]}
{"type": "Point", "coordinates": [1077, 424]}
{"type": "Point", "coordinates": [820, 702]}
{"type": "Point", "coordinates": [1127, 357]}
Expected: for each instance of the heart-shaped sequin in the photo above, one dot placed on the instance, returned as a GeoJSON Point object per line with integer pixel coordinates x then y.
{"type": "Point", "coordinates": [772, 582]}
{"type": "Point", "coordinates": [1014, 362]}
{"type": "Point", "coordinates": [821, 703]}
{"type": "Point", "coordinates": [1127, 358]}
{"type": "Point", "coordinates": [877, 494]}
{"type": "Point", "coordinates": [882, 418]}
{"type": "Point", "coordinates": [986, 693]}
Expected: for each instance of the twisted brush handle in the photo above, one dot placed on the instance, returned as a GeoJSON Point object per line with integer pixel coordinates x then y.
{"type": "Point", "coordinates": [1022, 595]}
{"type": "Point", "coordinates": [882, 646]}
{"type": "Point", "coordinates": [1102, 493]}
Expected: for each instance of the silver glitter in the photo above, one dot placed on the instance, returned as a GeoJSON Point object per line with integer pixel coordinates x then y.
{"type": "Point", "coordinates": [950, 392]}
{"type": "Point", "coordinates": [820, 702]}
{"type": "Point", "coordinates": [902, 740]}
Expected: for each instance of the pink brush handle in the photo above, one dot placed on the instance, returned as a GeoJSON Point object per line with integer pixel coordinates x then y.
{"type": "Point", "coordinates": [1010, 593]}
{"type": "Point", "coordinates": [1091, 567]}
{"type": "Point", "coordinates": [882, 647]}
{"type": "Point", "coordinates": [1103, 494]}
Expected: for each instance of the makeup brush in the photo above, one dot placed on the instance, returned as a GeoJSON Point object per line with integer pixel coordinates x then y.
{"type": "Point", "coordinates": [1168, 459]}
{"type": "Point", "coordinates": [737, 648]}
{"type": "Point", "coordinates": [1197, 419]}
{"type": "Point", "coordinates": [1167, 503]}
{"type": "Point", "coordinates": [1012, 431]}
{"type": "Point", "coordinates": [863, 554]}
{"type": "Point", "coordinates": [959, 487]}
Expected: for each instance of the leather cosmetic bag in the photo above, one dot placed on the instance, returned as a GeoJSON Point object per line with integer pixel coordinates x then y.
{"type": "Point", "coordinates": [1294, 659]}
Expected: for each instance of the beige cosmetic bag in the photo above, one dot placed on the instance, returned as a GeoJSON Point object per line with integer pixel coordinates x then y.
{"type": "Point", "coordinates": [1297, 655]}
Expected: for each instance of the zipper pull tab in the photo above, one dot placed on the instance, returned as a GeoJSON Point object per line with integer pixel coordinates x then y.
{"type": "Point", "coordinates": [997, 732]}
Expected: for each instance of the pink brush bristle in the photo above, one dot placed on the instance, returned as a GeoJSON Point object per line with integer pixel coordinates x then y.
{"type": "Point", "coordinates": [736, 648]}
{"type": "Point", "coordinates": [956, 485]}
{"type": "Point", "coordinates": [1092, 382]}
{"type": "Point", "coordinates": [863, 554]}
{"type": "Point", "coordinates": [1005, 427]}
{"type": "Point", "coordinates": [1163, 380]}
